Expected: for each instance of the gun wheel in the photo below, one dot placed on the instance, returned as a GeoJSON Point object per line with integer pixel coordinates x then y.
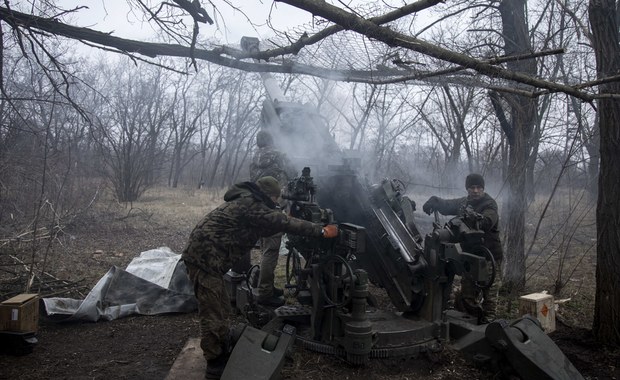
{"type": "Point", "coordinates": [293, 272]}
{"type": "Point", "coordinates": [484, 252]}
{"type": "Point", "coordinates": [337, 280]}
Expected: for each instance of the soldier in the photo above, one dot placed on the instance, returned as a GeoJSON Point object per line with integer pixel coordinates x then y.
{"type": "Point", "coordinates": [483, 204]}
{"type": "Point", "coordinates": [219, 240]}
{"type": "Point", "coordinates": [269, 162]}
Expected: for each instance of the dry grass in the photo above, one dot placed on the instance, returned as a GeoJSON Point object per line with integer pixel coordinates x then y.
{"type": "Point", "coordinates": [562, 252]}
{"type": "Point", "coordinates": [111, 234]}
{"type": "Point", "coordinates": [183, 205]}
{"type": "Point", "coordinates": [563, 257]}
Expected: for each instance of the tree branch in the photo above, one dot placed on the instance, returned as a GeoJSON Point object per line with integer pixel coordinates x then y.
{"type": "Point", "coordinates": [391, 38]}
{"type": "Point", "coordinates": [295, 47]}
{"type": "Point", "coordinates": [344, 20]}
{"type": "Point", "coordinates": [195, 10]}
{"type": "Point", "coordinates": [152, 50]}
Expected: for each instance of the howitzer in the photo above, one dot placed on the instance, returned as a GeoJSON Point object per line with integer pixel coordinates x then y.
{"type": "Point", "coordinates": [380, 244]}
{"type": "Point", "coordinates": [334, 313]}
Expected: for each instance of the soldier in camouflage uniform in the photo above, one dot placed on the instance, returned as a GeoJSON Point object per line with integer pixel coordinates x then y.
{"type": "Point", "coordinates": [483, 204]}
{"type": "Point", "coordinates": [220, 239]}
{"type": "Point", "coordinates": [269, 162]}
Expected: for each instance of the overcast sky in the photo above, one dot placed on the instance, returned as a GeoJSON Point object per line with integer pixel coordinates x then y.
{"type": "Point", "coordinates": [115, 16]}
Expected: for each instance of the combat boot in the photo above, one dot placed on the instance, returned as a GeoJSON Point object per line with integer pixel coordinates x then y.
{"type": "Point", "coordinates": [277, 292]}
{"type": "Point", "coordinates": [215, 367]}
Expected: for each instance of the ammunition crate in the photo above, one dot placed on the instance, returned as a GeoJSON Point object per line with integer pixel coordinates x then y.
{"type": "Point", "coordinates": [541, 307]}
{"type": "Point", "coordinates": [20, 313]}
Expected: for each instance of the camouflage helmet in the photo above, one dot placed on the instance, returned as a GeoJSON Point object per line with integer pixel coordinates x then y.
{"type": "Point", "coordinates": [269, 186]}
{"type": "Point", "coordinates": [263, 139]}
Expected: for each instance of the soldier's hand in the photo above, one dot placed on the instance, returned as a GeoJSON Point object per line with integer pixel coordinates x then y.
{"type": "Point", "coordinates": [431, 205]}
{"type": "Point", "coordinates": [330, 231]}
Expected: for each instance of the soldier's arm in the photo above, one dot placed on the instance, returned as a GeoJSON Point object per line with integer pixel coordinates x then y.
{"type": "Point", "coordinates": [450, 206]}
{"type": "Point", "coordinates": [490, 217]}
{"type": "Point", "coordinates": [273, 221]}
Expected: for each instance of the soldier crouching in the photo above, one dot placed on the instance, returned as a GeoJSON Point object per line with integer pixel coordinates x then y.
{"type": "Point", "coordinates": [219, 240]}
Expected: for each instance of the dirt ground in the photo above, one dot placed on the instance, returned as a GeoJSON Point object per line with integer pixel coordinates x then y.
{"type": "Point", "coordinates": [144, 347]}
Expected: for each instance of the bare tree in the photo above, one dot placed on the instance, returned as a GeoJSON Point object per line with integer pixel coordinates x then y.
{"type": "Point", "coordinates": [444, 115]}
{"type": "Point", "coordinates": [242, 126]}
{"type": "Point", "coordinates": [129, 130]}
{"type": "Point", "coordinates": [604, 24]}
{"type": "Point", "coordinates": [518, 129]}
{"type": "Point", "coordinates": [190, 104]}
{"type": "Point", "coordinates": [45, 184]}
{"type": "Point", "coordinates": [361, 112]}
{"type": "Point", "coordinates": [232, 124]}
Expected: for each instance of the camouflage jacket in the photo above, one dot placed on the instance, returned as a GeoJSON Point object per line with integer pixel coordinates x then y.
{"type": "Point", "coordinates": [228, 232]}
{"type": "Point", "coordinates": [485, 206]}
{"type": "Point", "coordinates": [269, 162]}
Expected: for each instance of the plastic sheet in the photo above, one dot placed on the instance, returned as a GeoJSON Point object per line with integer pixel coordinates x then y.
{"type": "Point", "coordinates": [156, 282]}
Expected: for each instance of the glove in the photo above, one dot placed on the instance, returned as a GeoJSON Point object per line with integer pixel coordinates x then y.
{"type": "Point", "coordinates": [330, 231]}
{"type": "Point", "coordinates": [469, 213]}
{"type": "Point", "coordinates": [431, 205]}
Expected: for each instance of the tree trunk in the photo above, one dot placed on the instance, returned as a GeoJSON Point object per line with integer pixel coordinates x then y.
{"type": "Point", "coordinates": [592, 145]}
{"type": "Point", "coordinates": [178, 165]}
{"type": "Point", "coordinates": [607, 305]}
{"type": "Point", "coordinates": [523, 114]}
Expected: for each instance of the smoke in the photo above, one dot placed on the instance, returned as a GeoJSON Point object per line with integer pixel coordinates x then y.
{"type": "Point", "coordinates": [301, 134]}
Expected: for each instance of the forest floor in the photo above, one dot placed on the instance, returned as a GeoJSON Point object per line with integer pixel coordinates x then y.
{"type": "Point", "coordinates": [145, 347]}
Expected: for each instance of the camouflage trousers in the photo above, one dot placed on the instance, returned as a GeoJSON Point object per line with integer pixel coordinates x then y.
{"type": "Point", "coordinates": [481, 303]}
{"type": "Point", "coordinates": [213, 309]}
{"type": "Point", "coordinates": [270, 248]}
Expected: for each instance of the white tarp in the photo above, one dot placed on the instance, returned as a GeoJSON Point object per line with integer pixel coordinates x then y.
{"type": "Point", "coordinates": [156, 282]}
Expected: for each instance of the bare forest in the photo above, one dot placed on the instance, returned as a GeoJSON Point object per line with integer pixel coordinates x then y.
{"type": "Point", "coordinates": [112, 145]}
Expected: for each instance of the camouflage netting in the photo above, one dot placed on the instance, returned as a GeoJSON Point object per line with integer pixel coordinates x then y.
{"type": "Point", "coordinates": [350, 51]}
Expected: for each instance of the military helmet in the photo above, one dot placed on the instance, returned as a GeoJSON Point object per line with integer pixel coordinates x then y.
{"type": "Point", "coordinates": [263, 139]}
{"type": "Point", "coordinates": [269, 186]}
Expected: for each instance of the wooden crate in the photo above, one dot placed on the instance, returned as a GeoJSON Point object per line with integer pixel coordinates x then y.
{"type": "Point", "coordinates": [20, 313]}
{"type": "Point", "coordinates": [540, 306]}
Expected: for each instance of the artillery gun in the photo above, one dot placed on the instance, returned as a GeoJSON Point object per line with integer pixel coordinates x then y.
{"type": "Point", "coordinates": [379, 244]}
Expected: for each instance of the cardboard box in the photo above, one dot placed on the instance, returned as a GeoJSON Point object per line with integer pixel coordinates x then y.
{"type": "Point", "coordinates": [540, 306]}
{"type": "Point", "coordinates": [20, 313]}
